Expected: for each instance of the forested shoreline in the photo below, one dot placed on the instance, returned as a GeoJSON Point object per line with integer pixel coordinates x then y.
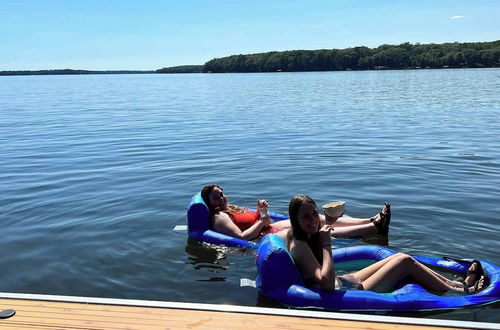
{"type": "Point", "coordinates": [182, 69]}
{"type": "Point", "coordinates": [403, 56]}
{"type": "Point", "coordinates": [384, 57]}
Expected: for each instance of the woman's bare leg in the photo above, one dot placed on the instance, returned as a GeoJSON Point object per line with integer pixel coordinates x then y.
{"type": "Point", "coordinates": [345, 221]}
{"type": "Point", "coordinates": [402, 266]}
{"type": "Point", "coordinates": [352, 227]}
{"type": "Point", "coordinates": [282, 224]}
{"type": "Point", "coordinates": [349, 221]}
{"type": "Point", "coordinates": [366, 272]}
{"type": "Point", "coordinates": [354, 231]}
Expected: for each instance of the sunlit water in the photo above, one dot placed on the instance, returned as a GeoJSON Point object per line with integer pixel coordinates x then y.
{"type": "Point", "coordinates": [97, 170]}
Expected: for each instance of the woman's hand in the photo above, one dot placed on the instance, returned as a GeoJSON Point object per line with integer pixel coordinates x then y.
{"type": "Point", "coordinates": [262, 203]}
{"type": "Point", "coordinates": [325, 234]}
{"type": "Point", "coordinates": [266, 221]}
{"type": "Point", "coordinates": [263, 213]}
{"type": "Point", "coordinates": [329, 220]}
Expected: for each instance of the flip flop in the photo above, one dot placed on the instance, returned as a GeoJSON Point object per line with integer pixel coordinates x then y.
{"type": "Point", "coordinates": [6, 313]}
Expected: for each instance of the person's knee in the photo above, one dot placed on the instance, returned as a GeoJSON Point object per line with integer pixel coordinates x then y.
{"type": "Point", "coordinates": [405, 259]}
{"type": "Point", "coordinates": [400, 256]}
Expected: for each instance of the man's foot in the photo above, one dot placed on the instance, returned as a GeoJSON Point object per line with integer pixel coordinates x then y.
{"type": "Point", "coordinates": [383, 219]}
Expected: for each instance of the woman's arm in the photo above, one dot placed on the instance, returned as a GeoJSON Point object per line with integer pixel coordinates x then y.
{"type": "Point", "coordinates": [224, 225]}
{"type": "Point", "coordinates": [323, 274]}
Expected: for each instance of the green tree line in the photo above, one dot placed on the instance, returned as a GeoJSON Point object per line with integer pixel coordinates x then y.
{"type": "Point", "coordinates": [403, 56]}
{"type": "Point", "coordinates": [182, 69]}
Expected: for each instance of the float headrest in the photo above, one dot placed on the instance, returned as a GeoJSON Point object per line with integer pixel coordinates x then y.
{"type": "Point", "coordinates": [275, 265]}
{"type": "Point", "coordinates": [198, 215]}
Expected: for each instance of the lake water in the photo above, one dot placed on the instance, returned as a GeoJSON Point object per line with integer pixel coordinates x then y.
{"type": "Point", "coordinates": [97, 170]}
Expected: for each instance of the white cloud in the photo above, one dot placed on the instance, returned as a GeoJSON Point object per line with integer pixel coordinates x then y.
{"type": "Point", "coordinates": [456, 17]}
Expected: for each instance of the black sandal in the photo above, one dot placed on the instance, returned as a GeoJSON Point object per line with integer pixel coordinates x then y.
{"type": "Point", "coordinates": [6, 313]}
{"type": "Point", "coordinates": [385, 219]}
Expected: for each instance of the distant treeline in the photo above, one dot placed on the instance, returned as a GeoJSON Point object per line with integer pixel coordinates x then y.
{"type": "Point", "coordinates": [182, 69]}
{"type": "Point", "coordinates": [66, 72]}
{"type": "Point", "coordinates": [403, 56]}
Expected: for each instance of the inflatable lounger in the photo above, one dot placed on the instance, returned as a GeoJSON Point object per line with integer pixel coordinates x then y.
{"type": "Point", "coordinates": [200, 225]}
{"type": "Point", "coordinates": [279, 279]}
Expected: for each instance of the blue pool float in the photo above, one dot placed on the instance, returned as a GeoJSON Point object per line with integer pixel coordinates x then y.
{"type": "Point", "coordinates": [200, 226]}
{"type": "Point", "coordinates": [279, 279]}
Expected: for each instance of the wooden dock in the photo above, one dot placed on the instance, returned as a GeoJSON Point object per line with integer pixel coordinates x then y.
{"type": "Point", "coordinates": [64, 312]}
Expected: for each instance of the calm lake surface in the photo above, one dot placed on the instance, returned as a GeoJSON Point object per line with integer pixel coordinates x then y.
{"type": "Point", "coordinates": [97, 170]}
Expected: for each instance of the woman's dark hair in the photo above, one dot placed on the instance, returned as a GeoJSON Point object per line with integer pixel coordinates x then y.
{"type": "Point", "coordinates": [205, 194]}
{"type": "Point", "coordinates": [293, 209]}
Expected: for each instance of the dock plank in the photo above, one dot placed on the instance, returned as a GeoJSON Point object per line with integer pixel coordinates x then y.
{"type": "Point", "coordinates": [34, 314]}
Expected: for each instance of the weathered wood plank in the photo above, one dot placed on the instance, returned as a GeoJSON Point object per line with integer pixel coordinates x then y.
{"type": "Point", "coordinates": [33, 314]}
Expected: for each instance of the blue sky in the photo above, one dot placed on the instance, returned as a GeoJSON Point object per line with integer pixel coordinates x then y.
{"type": "Point", "coordinates": [150, 34]}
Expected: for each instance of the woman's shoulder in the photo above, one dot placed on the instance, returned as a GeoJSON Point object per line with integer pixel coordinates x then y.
{"type": "Point", "coordinates": [221, 216]}
{"type": "Point", "coordinates": [296, 245]}
{"type": "Point", "coordinates": [301, 253]}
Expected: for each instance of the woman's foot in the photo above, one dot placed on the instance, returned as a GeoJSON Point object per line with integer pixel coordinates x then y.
{"type": "Point", "coordinates": [383, 220]}
{"type": "Point", "coordinates": [475, 279]}
{"type": "Point", "coordinates": [480, 285]}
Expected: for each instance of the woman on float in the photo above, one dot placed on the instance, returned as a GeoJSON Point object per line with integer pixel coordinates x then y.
{"type": "Point", "coordinates": [239, 222]}
{"type": "Point", "coordinates": [309, 243]}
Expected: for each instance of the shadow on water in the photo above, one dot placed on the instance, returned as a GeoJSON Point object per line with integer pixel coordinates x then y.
{"type": "Point", "coordinates": [263, 301]}
{"type": "Point", "coordinates": [205, 256]}
{"type": "Point", "coordinates": [351, 241]}
{"type": "Point", "coordinates": [376, 240]}
{"type": "Point", "coordinates": [211, 258]}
